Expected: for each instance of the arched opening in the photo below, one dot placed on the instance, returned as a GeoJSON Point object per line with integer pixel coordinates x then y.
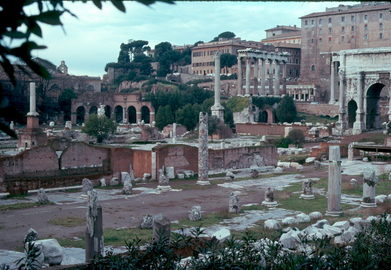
{"type": "Point", "coordinates": [108, 111]}
{"type": "Point", "coordinates": [263, 116]}
{"type": "Point", "coordinates": [374, 101]}
{"type": "Point", "coordinates": [352, 109]}
{"type": "Point", "coordinates": [145, 114]}
{"type": "Point", "coordinates": [80, 114]}
{"type": "Point", "coordinates": [119, 113]}
{"type": "Point", "coordinates": [132, 115]}
{"type": "Point", "coordinates": [93, 110]}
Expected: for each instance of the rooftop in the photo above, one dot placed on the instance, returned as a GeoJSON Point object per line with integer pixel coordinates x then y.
{"type": "Point", "coordinates": [284, 27]}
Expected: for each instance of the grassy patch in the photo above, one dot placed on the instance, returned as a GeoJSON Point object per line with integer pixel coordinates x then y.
{"type": "Point", "coordinates": [258, 232]}
{"type": "Point", "coordinates": [65, 242]}
{"type": "Point", "coordinates": [16, 206]}
{"type": "Point", "coordinates": [16, 197]}
{"type": "Point", "coordinates": [67, 221]}
{"type": "Point", "coordinates": [311, 118]}
{"type": "Point", "coordinates": [115, 237]}
{"type": "Point", "coordinates": [119, 186]}
{"type": "Point", "coordinates": [294, 158]}
{"type": "Point", "coordinates": [207, 220]}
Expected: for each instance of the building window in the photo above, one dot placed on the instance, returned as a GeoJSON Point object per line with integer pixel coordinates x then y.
{"type": "Point", "coordinates": [380, 26]}
{"type": "Point", "coordinates": [329, 20]}
{"type": "Point", "coordinates": [365, 17]}
{"type": "Point", "coordinates": [313, 68]}
{"type": "Point", "coordinates": [352, 18]}
{"type": "Point", "coordinates": [380, 15]}
{"type": "Point", "coordinates": [342, 18]}
{"type": "Point", "coordinates": [330, 30]}
{"type": "Point", "coordinates": [352, 28]}
{"type": "Point", "coordinates": [305, 22]}
{"type": "Point", "coordinates": [320, 31]}
{"type": "Point", "coordinates": [312, 22]}
{"type": "Point", "coordinates": [320, 21]}
{"type": "Point", "coordinates": [366, 36]}
{"type": "Point", "coordinates": [312, 40]}
{"type": "Point", "coordinates": [380, 35]}
{"type": "Point", "coordinates": [366, 27]}
{"type": "Point", "coordinates": [320, 39]}
{"type": "Point", "coordinates": [343, 29]}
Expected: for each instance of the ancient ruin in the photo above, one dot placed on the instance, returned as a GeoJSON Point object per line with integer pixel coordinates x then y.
{"type": "Point", "coordinates": [334, 182]}
{"type": "Point", "coordinates": [203, 150]}
{"type": "Point", "coordinates": [94, 231]}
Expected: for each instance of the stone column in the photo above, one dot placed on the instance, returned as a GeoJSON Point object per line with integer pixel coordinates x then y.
{"type": "Point", "coordinates": [94, 231]}
{"type": "Point", "coordinates": [124, 113]}
{"type": "Point", "coordinates": [174, 133]}
{"type": "Point", "coordinates": [161, 228]}
{"type": "Point", "coordinates": [342, 111]}
{"type": "Point", "coordinates": [369, 188]}
{"type": "Point", "coordinates": [153, 166]}
{"type": "Point", "coordinates": [332, 83]}
{"type": "Point", "coordinates": [276, 87]}
{"type": "Point", "coordinates": [33, 107]}
{"type": "Point", "coordinates": [270, 92]}
{"type": "Point", "coordinates": [351, 151]}
{"type": "Point", "coordinates": [283, 78]}
{"type": "Point", "coordinates": [203, 150]}
{"type": "Point", "coordinates": [217, 109]}
{"type": "Point", "coordinates": [255, 89]}
{"type": "Point", "coordinates": [263, 77]}
{"type": "Point", "coordinates": [239, 86]}
{"type": "Point", "coordinates": [334, 183]}
{"type": "Point", "coordinates": [138, 117]}
{"type": "Point", "coordinates": [248, 69]}
{"type": "Point", "coordinates": [359, 125]}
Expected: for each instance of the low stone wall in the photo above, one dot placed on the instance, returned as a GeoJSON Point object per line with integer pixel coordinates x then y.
{"type": "Point", "coordinates": [317, 109]}
{"type": "Point", "coordinates": [260, 129]}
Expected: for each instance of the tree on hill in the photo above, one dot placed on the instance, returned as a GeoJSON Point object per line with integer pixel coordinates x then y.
{"type": "Point", "coordinates": [225, 35]}
{"type": "Point", "coordinates": [286, 110]}
{"type": "Point", "coordinates": [164, 117]}
{"type": "Point", "coordinates": [99, 127]}
{"type": "Point", "coordinates": [188, 115]}
{"type": "Point", "coordinates": [138, 47]}
{"type": "Point", "coordinates": [227, 60]}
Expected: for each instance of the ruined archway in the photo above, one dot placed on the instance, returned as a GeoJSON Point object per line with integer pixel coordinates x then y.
{"type": "Point", "coordinates": [93, 110]}
{"type": "Point", "coordinates": [80, 115]}
{"type": "Point", "coordinates": [145, 114]}
{"type": "Point", "coordinates": [263, 116]}
{"type": "Point", "coordinates": [374, 98]}
{"type": "Point", "coordinates": [132, 115]}
{"type": "Point", "coordinates": [118, 114]}
{"type": "Point", "coordinates": [352, 112]}
{"type": "Point", "coordinates": [108, 111]}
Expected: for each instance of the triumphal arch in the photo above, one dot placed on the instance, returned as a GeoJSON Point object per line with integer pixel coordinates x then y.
{"type": "Point", "coordinates": [362, 78]}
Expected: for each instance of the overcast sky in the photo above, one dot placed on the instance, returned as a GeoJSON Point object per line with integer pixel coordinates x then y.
{"type": "Point", "coordinates": [93, 39]}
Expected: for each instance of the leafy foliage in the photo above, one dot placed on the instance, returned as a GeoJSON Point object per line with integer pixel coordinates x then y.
{"type": "Point", "coordinates": [228, 60]}
{"type": "Point", "coordinates": [286, 110]}
{"type": "Point", "coordinates": [99, 127]}
{"type": "Point", "coordinates": [164, 116]}
{"type": "Point", "coordinates": [226, 35]}
{"type": "Point", "coordinates": [261, 102]}
{"type": "Point", "coordinates": [296, 136]}
{"type": "Point", "coordinates": [237, 104]}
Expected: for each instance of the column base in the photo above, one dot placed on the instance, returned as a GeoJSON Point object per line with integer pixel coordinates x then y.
{"type": "Point", "coordinates": [270, 204]}
{"type": "Point", "coordinates": [307, 196]}
{"type": "Point", "coordinates": [368, 205]}
{"type": "Point", "coordinates": [164, 188]}
{"type": "Point", "coordinates": [334, 213]}
{"type": "Point", "coordinates": [203, 183]}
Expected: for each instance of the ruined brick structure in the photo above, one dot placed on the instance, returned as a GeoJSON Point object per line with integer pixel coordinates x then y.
{"type": "Point", "coordinates": [123, 108]}
{"type": "Point", "coordinates": [260, 129]}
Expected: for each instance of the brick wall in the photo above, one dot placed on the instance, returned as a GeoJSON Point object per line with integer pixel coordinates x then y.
{"type": "Point", "coordinates": [79, 155]}
{"type": "Point", "coordinates": [261, 129]}
{"type": "Point", "coordinates": [317, 109]}
{"type": "Point", "coordinates": [120, 159]}
{"type": "Point", "coordinates": [242, 157]}
{"type": "Point", "coordinates": [181, 157]}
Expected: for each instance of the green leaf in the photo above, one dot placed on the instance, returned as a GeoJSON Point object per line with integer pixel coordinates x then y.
{"type": "Point", "coordinates": [119, 5]}
{"type": "Point", "coordinates": [51, 17]}
{"type": "Point", "coordinates": [16, 34]}
{"type": "Point", "coordinates": [34, 28]}
{"type": "Point", "coordinates": [97, 3]}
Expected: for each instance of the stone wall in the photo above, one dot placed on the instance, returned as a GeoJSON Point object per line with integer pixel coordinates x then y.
{"type": "Point", "coordinates": [260, 129]}
{"type": "Point", "coordinates": [181, 157]}
{"type": "Point", "coordinates": [242, 157]}
{"type": "Point", "coordinates": [317, 109]}
{"type": "Point", "coordinates": [79, 155]}
{"type": "Point", "coordinates": [120, 159]}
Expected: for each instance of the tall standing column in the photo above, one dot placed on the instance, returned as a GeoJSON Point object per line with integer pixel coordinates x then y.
{"type": "Point", "coordinates": [277, 78]}
{"type": "Point", "coordinates": [270, 91]}
{"type": "Point", "coordinates": [359, 125]}
{"type": "Point", "coordinates": [239, 86]}
{"type": "Point", "coordinates": [203, 150]}
{"type": "Point", "coordinates": [174, 133]}
{"type": "Point", "coordinates": [217, 109]}
{"type": "Point", "coordinates": [263, 77]}
{"type": "Point", "coordinates": [248, 69]}
{"type": "Point", "coordinates": [124, 118]}
{"type": "Point", "coordinates": [259, 75]}
{"type": "Point", "coordinates": [255, 89]}
{"type": "Point", "coordinates": [342, 111]}
{"type": "Point", "coordinates": [33, 106]}
{"type": "Point", "coordinates": [332, 83]}
{"type": "Point", "coordinates": [94, 231]}
{"type": "Point", "coordinates": [284, 77]}
{"type": "Point", "coordinates": [334, 183]}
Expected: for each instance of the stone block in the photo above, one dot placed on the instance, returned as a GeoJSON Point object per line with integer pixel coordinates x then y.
{"type": "Point", "coordinates": [290, 239]}
{"type": "Point", "coordinates": [222, 234]}
{"type": "Point", "coordinates": [289, 221]}
{"type": "Point", "coordinates": [170, 172]}
{"type": "Point", "coordinates": [343, 225]}
{"type": "Point", "coordinates": [315, 215]}
{"type": "Point", "coordinates": [52, 251]}
{"type": "Point", "coordinates": [302, 218]}
{"type": "Point", "coordinates": [272, 224]}
{"type": "Point", "coordinates": [114, 181]}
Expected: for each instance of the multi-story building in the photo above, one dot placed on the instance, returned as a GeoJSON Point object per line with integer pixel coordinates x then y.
{"type": "Point", "coordinates": [365, 25]}
{"type": "Point", "coordinates": [202, 60]}
{"type": "Point", "coordinates": [283, 34]}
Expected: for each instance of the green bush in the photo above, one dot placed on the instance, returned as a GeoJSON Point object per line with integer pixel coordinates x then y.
{"type": "Point", "coordinates": [296, 136]}
{"type": "Point", "coordinates": [237, 104]}
{"type": "Point", "coordinates": [286, 110]}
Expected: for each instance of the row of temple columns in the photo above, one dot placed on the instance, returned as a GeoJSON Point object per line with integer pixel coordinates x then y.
{"type": "Point", "coordinates": [264, 80]}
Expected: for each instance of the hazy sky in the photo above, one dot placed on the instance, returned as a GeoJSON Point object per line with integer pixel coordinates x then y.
{"type": "Point", "coordinates": [93, 39]}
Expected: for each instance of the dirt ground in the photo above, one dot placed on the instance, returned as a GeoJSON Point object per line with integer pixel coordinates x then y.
{"type": "Point", "coordinates": [116, 213]}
